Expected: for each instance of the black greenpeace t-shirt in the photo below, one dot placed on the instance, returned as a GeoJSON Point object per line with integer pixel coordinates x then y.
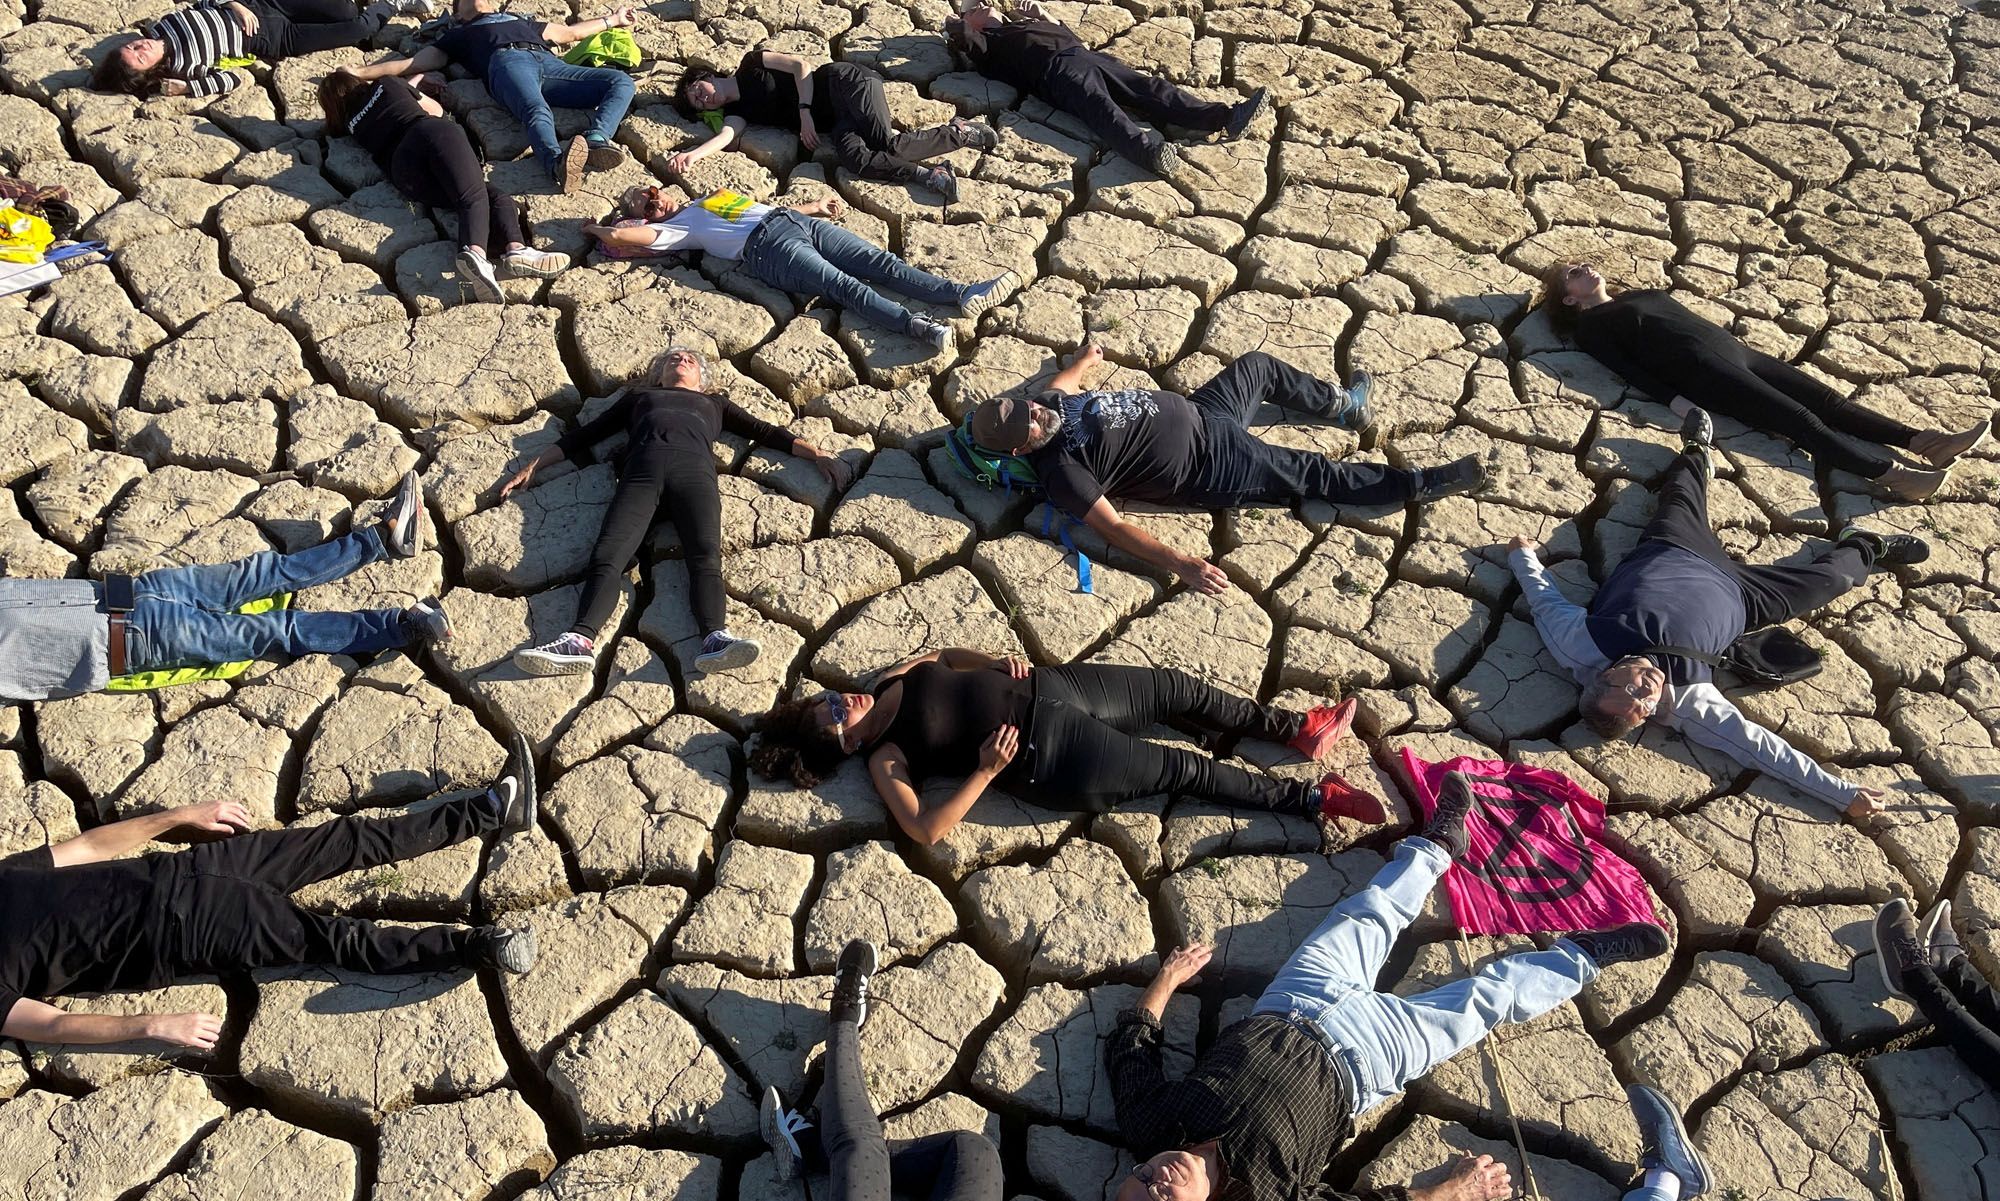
{"type": "Point", "coordinates": [1131, 444]}
{"type": "Point", "coordinates": [94, 927]}
{"type": "Point", "coordinates": [767, 96]}
{"type": "Point", "coordinates": [472, 45]}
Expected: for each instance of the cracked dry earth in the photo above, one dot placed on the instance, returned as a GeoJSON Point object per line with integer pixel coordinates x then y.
{"type": "Point", "coordinates": [276, 343]}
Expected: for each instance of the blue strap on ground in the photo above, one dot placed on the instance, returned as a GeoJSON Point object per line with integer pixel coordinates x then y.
{"type": "Point", "coordinates": [1069, 544]}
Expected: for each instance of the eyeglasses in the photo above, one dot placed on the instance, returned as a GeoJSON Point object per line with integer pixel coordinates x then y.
{"type": "Point", "coordinates": [1646, 703]}
{"type": "Point", "coordinates": [681, 356]}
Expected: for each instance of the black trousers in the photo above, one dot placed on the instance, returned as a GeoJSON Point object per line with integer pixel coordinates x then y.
{"type": "Point", "coordinates": [287, 28]}
{"type": "Point", "coordinates": [435, 164]}
{"type": "Point", "coordinates": [847, 1144]}
{"type": "Point", "coordinates": [1772, 593]}
{"type": "Point", "coordinates": [1083, 752]}
{"type": "Point", "coordinates": [232, 908]}
{"type": "Point", "coordinates": [653, 477]}
{"type": "Point", "coordinates": [864, 137]}
{"type": "Point", "coordinates": [1240, 468]}
{"type": "Point", "coordinates": [1768, 393]}
{"type": "Point", "coordinates": [1096, 89]}
{"type": "Point", "coordinates": [1965, 1009]}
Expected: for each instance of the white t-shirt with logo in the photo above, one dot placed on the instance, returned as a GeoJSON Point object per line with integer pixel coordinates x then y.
{"type": "Point", "coordinates": [719, 224]}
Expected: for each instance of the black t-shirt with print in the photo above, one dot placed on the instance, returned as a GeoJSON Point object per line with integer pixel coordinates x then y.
{"type": "Point", "coordinates": [94, 927]}
{"type": "Point", "coordinates": [1128, 444]}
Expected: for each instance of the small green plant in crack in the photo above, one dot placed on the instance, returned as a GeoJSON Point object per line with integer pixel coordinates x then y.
{"type": "Point", "coordinates": [389, 879]}
{"type": "Point", "coordinates": [1732, 1193]}
{"type": "Point", "coordinates": [785, 1040]}
{"type": "Point", "coordinates": [1213, 867]}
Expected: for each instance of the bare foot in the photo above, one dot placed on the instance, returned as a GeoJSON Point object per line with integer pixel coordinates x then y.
{"type": "Point", "coordinates": [1090, 354]}
{"type": "Point", "coordinates": [1481, 1179]}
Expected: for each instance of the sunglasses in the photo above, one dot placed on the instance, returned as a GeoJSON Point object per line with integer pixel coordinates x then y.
{"type": "Point", "coordinates": [836, 704]}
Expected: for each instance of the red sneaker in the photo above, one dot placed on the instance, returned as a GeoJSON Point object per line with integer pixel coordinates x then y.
{"type": "Point", "coordinates": [1324, 726]}
{"type": "Point", "coordinates": [1338, 798]}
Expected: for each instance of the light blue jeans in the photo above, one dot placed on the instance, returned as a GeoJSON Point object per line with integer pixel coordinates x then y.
{"type": "Point", "coordinates": [1642, 1193]}
{"type": "Point", "coordinates": [1388, 1040]}
{"type": "Point", "coordinates": [527, 82]}
{"type": "Point", "coordinates": [818, 258]}
{"type": "Point", "coordinates": [186, 616]}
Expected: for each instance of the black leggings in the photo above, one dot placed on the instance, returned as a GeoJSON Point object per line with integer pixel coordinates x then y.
{"type": "Point", "coordinates": [1767, 393]}
{"type": "Point", "coordinates": [1965, 1009]}
{"type": "Point", "coordinates": [435, 164]}
{"type": "Point", "coordinates": [865, 138]}
{"type": "Point", "coordinates": [287, 28]}
{"type": "Point", "coordinates": [1092, 87]}
{"type": "Point", "coordinates": [684, 483]}
{"type": "Point", "coordinates": [1772, 593]}
{"type": "Point", "coordinates": [233, 909]}
{"type": "Point", "coordinates": [848, 1146]}
{"type": "Point", "coordinates": [1241, 468]}
{"type": "Point", "coordinates": [1083, 752]}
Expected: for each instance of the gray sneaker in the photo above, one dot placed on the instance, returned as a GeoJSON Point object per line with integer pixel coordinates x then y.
{"type": "Point", "coordinates": [603, 156]}
{"type": "Point", "coordinates": [721, 652]}
{"type": "Point", "coordinates": [982, 296]}
{"type": "Point", "coordinates": [529, 263]}
{"type": "Point", "coordinates": [976, 134]}
{"type": "Point", "coordinates": [1897, 949]}
{"type": "Point", "coordinates": [1664, 1141]}
{"type": "Point", "coordinates": [427, 622]}
{"type": "Point", "coordinates": [511, 951]}
{"type": "Point", "coordinates": [403, 524]}
{"type": "Point", "coordinates": [475, 273]}
{"type": "Point", "coordinates": [780, 1128]}
{"type": "Point", "coordinates": [937, 333]}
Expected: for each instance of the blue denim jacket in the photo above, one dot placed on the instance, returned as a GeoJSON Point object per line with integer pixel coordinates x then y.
{"type": "Point", "coordinates": [53, 640]}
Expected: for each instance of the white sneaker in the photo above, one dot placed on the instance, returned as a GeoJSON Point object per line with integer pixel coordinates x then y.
{"type": "Point", "coordinates": [527, 262]}
{"type": "Point", "coordinates": [937, 333]}
{"type": "Point", "coordinates": [476, 274]}
{"type": "Point", "coordinates": [721, 652]}
{"type": "Point", "coordinates": [570, 655]}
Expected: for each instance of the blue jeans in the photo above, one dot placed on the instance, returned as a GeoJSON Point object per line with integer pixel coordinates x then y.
{"type": "Point", "coordinates": [1642, 1193]}
{"type": "Point", "coordinates": [818, 258]}
{"type": "Point", "coordinates": [527, 82]}
{"type": "Point", "coordinates": [185, 616]}
{"type": "Point", "coordinates": [1387, 1040]}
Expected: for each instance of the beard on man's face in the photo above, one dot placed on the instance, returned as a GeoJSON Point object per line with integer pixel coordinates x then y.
{"type": "Point", "coordinates": [1050, 424]}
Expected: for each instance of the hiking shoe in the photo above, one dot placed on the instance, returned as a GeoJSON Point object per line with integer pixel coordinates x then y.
{"type": "Point", "coordinates": [1940, 941]}
{"type": "Point", "coordinates": [1338, 798]}
{"type": "Point", "coordinates": [1351, 412]}
{"type": "Point", "coordinates": [1890, 549]}
{"type": "Point", "coordinates": [1163, 160]}
{"type": "Point", "coordinates": [721, 652]}
{"type": "Point", "coordinates": [1454, 478]}
{"type": "Point", "coordinates": [570, 655]}
{"type": "Point", "coordinates": [602, 156]}
{"type": "Point", "coordinates": [1664, 1141]}
{"type": "Point", "coordinates": [403, 524]}
{"type": "Point", "coordinates": [1323, 726]}
{"type": "Point", "coordinates": [1446, 827]}
{"type": "Point", "coordinates": [944, 181]}
{"type": "Point", "coordinates": [475, 274]}
{"type": "Point", "coordinates": [427, 622]}
{"type": "Point", "coordinates": [1628, 943]}
{"type": "Point", "coordinates": [979, 297]}
{"type": "Point", "coordinates": [519, 805]}
{"type": "Point", "coordinates": [1697, 428]}
{"type": "Point", "coordinates": [575, 157]}
{"type": "Point", "coordinates": [1703, 457]}
{"type": "Point", "coordinates": [1245, 114]}
{"type": "Point", "coordinates": [1897, 950]}
{"type": "Point", "coordinates": [510, 951]}
{"type": "Point", "coordinates": [936, 333]}
{"type": "Point", "coordinates": [527, 262]}
{"type": "Point", "coordinates": [780, 1128]}
{"type": "Point", "coordinates": [851, 976]}
{"type": "Point", "coordinates": [976, 134]}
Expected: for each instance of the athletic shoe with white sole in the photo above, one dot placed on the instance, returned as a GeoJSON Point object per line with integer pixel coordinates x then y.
{"type": "Point", "coordinates": [427, 621]}
{"type": "Point", "coordinates": [780, 1128]}
{"type": "Point", "coordinates": [721, 651]}
{"type": "Point", "coordinates": [476, 274]}
{"type": "Point", "coordinates": [570, 655]}
{"type": "Point", "coordinates": [403, 524]}
{"type": "Point", "coordinates": [529, 263]}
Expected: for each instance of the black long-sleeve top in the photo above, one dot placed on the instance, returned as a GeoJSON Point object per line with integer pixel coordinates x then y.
{"type": "Point", "coordinates": [670, 419]}
{"type": "Point", "coordinates": [1019, 52]}
{"type": "Point", "coordinates": [1655, 342]}
{"type": "Point", "coordinates": [1265, 1092]}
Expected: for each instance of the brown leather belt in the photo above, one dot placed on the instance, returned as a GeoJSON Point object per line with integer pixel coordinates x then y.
{"type": "Point", "coordinates": [118, 644]}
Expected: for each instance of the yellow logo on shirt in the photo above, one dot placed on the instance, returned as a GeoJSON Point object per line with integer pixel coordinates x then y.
{"type": "Point", "coordinates": [730, 206]}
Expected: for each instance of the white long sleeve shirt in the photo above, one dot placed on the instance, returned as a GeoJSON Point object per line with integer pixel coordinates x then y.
{"type": "Point", "coordinates": [1699, 711]}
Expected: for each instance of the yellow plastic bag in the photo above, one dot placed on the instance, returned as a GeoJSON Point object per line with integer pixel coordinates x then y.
{"type": "Point", "coordinates": [146, 681]}
{"type": "Point", "coordinates": [24, 237]}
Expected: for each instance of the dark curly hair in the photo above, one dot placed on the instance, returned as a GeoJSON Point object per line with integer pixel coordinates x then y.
{"type": "Point", "coordinates": [1554, 288]}
{"type": "Point", "coordinates": [793, 745]}
{"type": "Point", "coordinates": [683, 103]}
{"type": "Point", "coordinates": [112, 75]}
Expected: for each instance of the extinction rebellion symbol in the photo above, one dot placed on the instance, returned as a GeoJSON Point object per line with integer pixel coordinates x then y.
{"type": "Point", "coordinates": [1520, 865]}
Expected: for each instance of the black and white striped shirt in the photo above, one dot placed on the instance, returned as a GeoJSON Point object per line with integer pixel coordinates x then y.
{"type": "Point", "coordinates": [196, 38]}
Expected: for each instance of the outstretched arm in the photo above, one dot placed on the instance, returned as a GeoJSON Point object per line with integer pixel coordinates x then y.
{"type": "Point", "coordinates": [430, 58]}
{"type": "Point", "coordinates": [1559, 620]}
{"type": "Point", "coordinates": [111, 841]}
{"type": "Point", "coordinates": [1706, 716]}
{"type": "Point", "coordinates": [1148, 1107]}
{"type": "Point", "coordinates": [891, 774]}
{"type": "Point", "coordinates": [563, 35]}
{"type": "Point", "coordinates": [1071, 378]}
{"type": "Point", "coordinates": [36, 1022]}
{"type": "Point", "coordinates": [732, 128]}
{"type": "Point", "coordinates": [1198, 574]}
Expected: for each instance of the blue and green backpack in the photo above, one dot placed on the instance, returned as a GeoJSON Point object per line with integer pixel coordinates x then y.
{"type": "Point", "coordinates": [994, 469]}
